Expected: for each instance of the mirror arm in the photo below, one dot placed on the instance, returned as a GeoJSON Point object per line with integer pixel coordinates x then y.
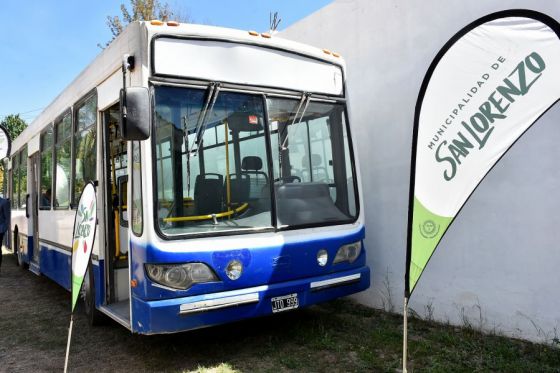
{"type": "Point", "coordinates": [128, 63]}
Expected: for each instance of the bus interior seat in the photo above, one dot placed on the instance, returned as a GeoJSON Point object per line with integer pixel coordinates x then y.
{"type": "Point", "coordinates": [208, 193]}
{"type": "Point", "coordinates": [240, 186]}
{"type": "Point", "coordinates": [252, 166]}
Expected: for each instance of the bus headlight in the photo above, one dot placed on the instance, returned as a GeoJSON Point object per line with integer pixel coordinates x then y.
{"type": "Point", "coordinates": [348, 253]}
{"type": "Point", "coordinates": [180, 276]}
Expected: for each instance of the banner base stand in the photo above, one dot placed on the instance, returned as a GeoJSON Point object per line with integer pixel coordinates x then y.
{"type": "Point", "coordinates": [405, 335]}
{"type": "Point", "coordinates": [68, 343]}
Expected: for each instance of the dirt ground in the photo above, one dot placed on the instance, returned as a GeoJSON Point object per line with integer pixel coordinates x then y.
{"type": "Point", "coordinates": [338, 336]}
{"type": "Point", "coordinates": [34, 319]}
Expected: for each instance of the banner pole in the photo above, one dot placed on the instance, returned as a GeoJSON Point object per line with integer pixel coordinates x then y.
{"type": "Point", "coordinates": [68, 343]}
{"type": "Point", "coordinates": [405, 334]}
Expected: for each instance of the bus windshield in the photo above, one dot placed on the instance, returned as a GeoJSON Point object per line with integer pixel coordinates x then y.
{"type": "Point", "coordinates": [212, 162]}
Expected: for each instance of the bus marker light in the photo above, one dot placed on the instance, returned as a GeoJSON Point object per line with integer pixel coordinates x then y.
{"type": "Point", "coordinates": [156, 22]}
{"type": "Point", "coordinates": [172, 23]}
{"type": "Point", "coordinates": [253, 33]}
{"type": "Point", "coordinates": [133, 283]}
{"type": "Point", "coordinates": [234, 269]}
{"type": "Point", "coordinates": [326, 51]}
{"type": "Point", "coordinates": [322, 257]}
{"type": "Point", "coordinates": [336, 54]}
{"type": "Point", "coordinates": [266, 35]}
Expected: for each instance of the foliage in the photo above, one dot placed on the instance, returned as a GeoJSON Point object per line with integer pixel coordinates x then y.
{"type": "Point", "coordinates": [14, 124]}
{"type": "Point", "coordinates": [141, 10]}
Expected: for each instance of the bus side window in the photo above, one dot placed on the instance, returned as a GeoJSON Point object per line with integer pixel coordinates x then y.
{"type": "Point", "coordinates": [122, 182]}
{"type": "Point", "coordinates": [15, 178]}
{"type": "Point", "coordinates": [22, 192]}
{"type": "Point", "coordinates": [62, 165]}
{"type": "Point", "coordinates": [45, 197]}
{"type": "Point", "coordinates": [85, 146]}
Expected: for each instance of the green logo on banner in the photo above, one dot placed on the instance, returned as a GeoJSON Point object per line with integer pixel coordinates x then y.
{"type": "Point", "coordinates": [429, 229]}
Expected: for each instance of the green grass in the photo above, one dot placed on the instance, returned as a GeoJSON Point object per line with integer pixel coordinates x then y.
{"type": "Point", "coordinates": [338, 336]}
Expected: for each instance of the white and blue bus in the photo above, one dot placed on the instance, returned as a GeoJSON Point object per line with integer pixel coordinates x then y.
{"type": "Point", "coordinates": [226, 179]}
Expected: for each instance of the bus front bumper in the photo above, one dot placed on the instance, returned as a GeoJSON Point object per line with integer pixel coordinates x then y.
{"type": "Point", "coordinates": [187, 313]}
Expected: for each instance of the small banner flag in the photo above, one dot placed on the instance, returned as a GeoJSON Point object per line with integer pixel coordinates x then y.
{"type": "Point", "coordinates": [5, 143]}
{"type": "Point", "coordinates": [483, 90]}
{"type": "Point", "coordinates": [85, 224]}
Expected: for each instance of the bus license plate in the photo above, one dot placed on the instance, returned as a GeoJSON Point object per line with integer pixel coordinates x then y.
{"type": "Point", "coordinates": [284, 303]}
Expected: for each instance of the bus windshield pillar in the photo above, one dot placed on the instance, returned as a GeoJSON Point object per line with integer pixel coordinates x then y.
{"type": "Point", "coordinates": [177, 165]}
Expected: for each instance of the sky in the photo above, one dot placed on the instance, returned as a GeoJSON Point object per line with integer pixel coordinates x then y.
{"type": "Point", "coordinates": [45, 44]}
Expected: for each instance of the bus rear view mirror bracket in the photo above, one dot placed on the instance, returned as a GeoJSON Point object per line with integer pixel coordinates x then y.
{"type": "Point", "coordinates": [135, 113]}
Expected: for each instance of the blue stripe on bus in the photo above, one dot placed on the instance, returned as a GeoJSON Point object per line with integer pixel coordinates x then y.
{"type": "Point", "coordinates": [99, 280]}
{"type": "Point", "coordinates": [56, 265]}
{"type": "Point", "coordinates": [29, 249]}
{"type": "Point", "coordinates": [163, 316]}
{"type": "Point", "coordinates": [263, 265]}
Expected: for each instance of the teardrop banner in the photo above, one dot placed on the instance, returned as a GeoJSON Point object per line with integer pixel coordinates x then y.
{"type": "Point", "coordinates": [85, 225]}
{"type": "Point", "coordinates": [484, 89]}
{"type": "Point", "coordinates": [5, 143]}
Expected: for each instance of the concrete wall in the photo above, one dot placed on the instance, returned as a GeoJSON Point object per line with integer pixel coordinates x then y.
{"type": "Point", "coordinates": [497, 266]}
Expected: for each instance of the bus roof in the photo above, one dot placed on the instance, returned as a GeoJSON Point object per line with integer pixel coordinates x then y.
{"type": "Point", "coordinates": [252, 37]}
{"type": "Point", "coordinates": [135, 40]}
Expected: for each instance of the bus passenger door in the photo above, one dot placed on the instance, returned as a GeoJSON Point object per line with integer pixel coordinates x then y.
{"type": "Point", "coordinates": [115, 170]}
{"type": "Point", "coordinates": [32, 210]}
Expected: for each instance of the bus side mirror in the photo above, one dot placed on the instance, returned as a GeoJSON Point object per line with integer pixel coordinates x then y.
{"type": "Point", "coordinates": [135, 113]}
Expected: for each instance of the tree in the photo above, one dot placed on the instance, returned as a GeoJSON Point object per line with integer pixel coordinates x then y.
{"type": "Point", "coordinates": [15, 125]}
{"type": "Point", "coordinates": [142, 10]}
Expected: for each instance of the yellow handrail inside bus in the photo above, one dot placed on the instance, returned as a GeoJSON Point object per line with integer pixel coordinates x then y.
{"type": "Point", "coordinates": [206, 217]}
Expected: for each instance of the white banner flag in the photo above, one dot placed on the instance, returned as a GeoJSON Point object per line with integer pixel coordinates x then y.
{"type": "Point", "coordinates": [485, 88]}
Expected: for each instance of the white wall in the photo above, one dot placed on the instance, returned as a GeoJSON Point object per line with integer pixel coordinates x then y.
{"type": "Point", "coordinates": [502, 254]}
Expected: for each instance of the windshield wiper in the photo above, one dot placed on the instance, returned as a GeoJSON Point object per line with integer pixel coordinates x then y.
{"type": "Point", "coordinates": [214, 90]}
{"type": "Point", "coordinates": [304, 101]}
{"type": "Point", "coordinates": [187, 152]}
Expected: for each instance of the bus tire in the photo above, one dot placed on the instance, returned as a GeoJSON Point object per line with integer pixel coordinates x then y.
{"type": "Point", "coordinates": [19, 259]}
{"type": "Point", "coordinates": [15, 247]}
{"type": "Point", "coordinates": [94, 316]}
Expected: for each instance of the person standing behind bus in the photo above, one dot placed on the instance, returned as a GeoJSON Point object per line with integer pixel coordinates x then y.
{"type": "Point", "coordinates": [4, 221]}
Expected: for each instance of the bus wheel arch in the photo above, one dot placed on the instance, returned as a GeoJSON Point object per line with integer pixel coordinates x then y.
{"type": "Point", "coordinates": [94, 316]}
